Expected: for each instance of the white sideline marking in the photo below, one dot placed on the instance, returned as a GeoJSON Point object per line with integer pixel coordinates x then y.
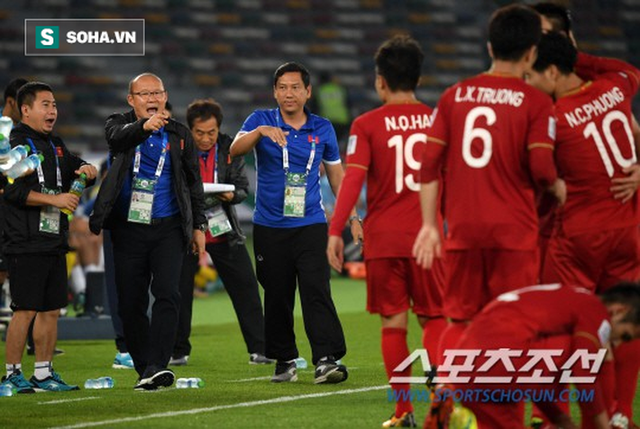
{"type": "Point", "coordinates": [244, 380]}
{"type": "Point", "coordinates": [268, 377]}
{"type": "Point", "coordinates": [224, 407]}
{"type": "Point", "coordinates": [62, 401]}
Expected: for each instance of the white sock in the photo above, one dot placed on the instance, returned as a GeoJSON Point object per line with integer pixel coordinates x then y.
{"type": "Point", "coordinates": [13, 368]}
{"type": "Point", "coordinates": [42, 370]}
{"type": "Point", "coordinates": [78, 281]}
{"type": "Point", "coordinates": [92, 268]}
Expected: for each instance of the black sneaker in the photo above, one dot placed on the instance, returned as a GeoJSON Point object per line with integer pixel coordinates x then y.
{"type": "Point", "coordinates": [259, 359]}
{"type": "Point", "coordinates": [160, 378]}
{"type": "Point", "coordinates": [328, 371]}
{"type": "Point", "coordinates": [285, 371]}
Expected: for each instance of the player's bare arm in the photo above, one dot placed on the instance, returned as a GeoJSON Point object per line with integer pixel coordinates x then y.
{"type": "Point", "coordinates": [428, 244]}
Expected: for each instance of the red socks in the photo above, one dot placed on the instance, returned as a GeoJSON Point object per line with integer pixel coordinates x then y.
{"type": "Point", "coordinates": [431, 334]}
{"type": "Point", "coordinates": [394, 351]}
{"type": "Point", "coordinates": [451, 336]}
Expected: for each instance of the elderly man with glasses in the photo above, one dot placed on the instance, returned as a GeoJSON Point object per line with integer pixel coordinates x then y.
{"type": "Point", "coordinates": [152, 201]}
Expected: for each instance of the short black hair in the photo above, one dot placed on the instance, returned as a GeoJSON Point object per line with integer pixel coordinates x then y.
{"type": "Point", "coordinates": [27, 93]}
{"type": "Point", "coordinates": [168, 106]}
{"type": "Point", "coordinates": [12, 88]}
{"type": "Point", "coordinates": [292, 67]}
{"type": "Point", "coordinates": [556, 49]}
{"type": "Point", "coordinates": [204, 110]}
{"type": "Point", "coordinates": [513, 30]}
{"type": "Point", "coordinates": [627, 293]}
{"type": "Point", "coordinates": [399, 62]}
{"type": "Point", "coordinates": [558, 15]}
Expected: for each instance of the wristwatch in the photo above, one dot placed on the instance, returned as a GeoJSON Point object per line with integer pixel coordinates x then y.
{"type": "Point", "coordinates": [202, 227]}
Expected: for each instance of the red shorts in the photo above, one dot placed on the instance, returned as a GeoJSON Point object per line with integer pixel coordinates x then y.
{"type": "Point", "coordinates": [396, 284]}
{"type": "Point", "coordinates": [476, 276]}
{"type": "Point", "coordinates": [594, 260]}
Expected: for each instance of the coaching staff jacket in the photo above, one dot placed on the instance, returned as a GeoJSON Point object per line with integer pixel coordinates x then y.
{"type": "Point", "coordinates": [22, 232]}
{"type": "Point", "coordinates": [124, 132]}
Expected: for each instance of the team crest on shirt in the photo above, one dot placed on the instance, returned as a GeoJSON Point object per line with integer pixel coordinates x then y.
{"type": "Point", "coordinates": [552, 127]}
{"type": "Point", "coordinates": [351, 145]}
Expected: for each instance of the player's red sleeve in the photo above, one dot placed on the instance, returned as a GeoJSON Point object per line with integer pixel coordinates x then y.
{"type": "Point", "coordinates": [432, 160]}
{"type": "Point", "coordinates": [347, 198]}
{"type": "Point", "coordinates": [541, 165]}
{"type": "Point", "coordinates": [591, 67]}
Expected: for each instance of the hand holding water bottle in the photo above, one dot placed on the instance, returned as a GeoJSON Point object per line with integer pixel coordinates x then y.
{"type": "Point", "coordinates": [77, 187]}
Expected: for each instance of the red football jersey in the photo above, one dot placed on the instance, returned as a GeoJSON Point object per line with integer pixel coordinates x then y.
{"type": "Point", "coordinates": [489, 124]}
{"type": "Point", "coordinates": [593, 145]}
{"type": "Point", "coordinates": [388, 142]}
{"type": "Point", "coordinates": [533, 313]}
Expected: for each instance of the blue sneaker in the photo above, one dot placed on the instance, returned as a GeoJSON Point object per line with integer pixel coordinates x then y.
{"type": "Point", "coordinates": [122, 361]}
{"type": "Point", "coordinates": [53, 383]}
{"type": "Point", "coordinates": [18, 382]}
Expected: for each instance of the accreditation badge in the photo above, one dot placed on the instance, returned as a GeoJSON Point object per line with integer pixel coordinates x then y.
{"type": "Point", "coordinates": [141, 205]}
{"type": "Point", "coordinates": [295, 191]}
{"type": "Point", "coordinates": [218, 221]}
{"type": "Point", "coordinates": [49, 215]}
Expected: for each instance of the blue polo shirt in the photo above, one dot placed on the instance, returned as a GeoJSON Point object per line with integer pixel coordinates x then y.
{"type": "Point", "coordinates": [165, 202]}
{"type": "Point", "coordinates": [270, 171]}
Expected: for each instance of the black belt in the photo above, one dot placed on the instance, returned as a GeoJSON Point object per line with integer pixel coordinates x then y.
{"type": "Point", "coordinates": [161, 220]}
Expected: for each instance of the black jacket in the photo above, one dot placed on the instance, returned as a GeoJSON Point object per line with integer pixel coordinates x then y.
{"type": "Point", "coordinates": [231, 171]}
{"type": "Point", "coordinates": [22, 232]}
{"type": "Point", "coordinates": [124, 132]}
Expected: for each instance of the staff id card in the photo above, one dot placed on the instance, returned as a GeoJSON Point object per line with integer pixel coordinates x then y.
{"type": "Point", "coordinates": [50, 215]}
{"type": "Point", "coordinates": [218, 221]}
{"type": "Point", "coordinates": [141, 205]}
{"type": "Point", "coordinates": [295, 191]}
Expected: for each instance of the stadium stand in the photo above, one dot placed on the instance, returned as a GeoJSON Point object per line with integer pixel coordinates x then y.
{"type": "Point", "coordinates": [227, 49]}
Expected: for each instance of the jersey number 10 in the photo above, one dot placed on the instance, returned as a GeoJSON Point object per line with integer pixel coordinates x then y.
{"type": "Point", "coordinates": [592, 131]}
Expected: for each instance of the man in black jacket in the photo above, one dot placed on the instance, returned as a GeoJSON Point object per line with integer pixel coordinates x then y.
{"type": "Point", "coordinates": [36, 234]}
{"type": "Point", "coordinates": [225, 241]}
{"type": "Point", "coordinates": [152, 201]}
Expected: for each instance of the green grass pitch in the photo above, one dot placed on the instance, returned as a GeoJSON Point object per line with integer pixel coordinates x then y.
{"type": "Point", "coordinates": [236, 394]}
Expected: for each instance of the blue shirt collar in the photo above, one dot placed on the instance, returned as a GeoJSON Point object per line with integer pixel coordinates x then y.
{"type": "Point", "coordinates": [309, 125]}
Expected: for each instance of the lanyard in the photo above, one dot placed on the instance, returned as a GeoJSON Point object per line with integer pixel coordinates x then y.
{"type": "Point", "coordinates": [215, 167]}
{"type": "Point", "coordinates": [39, 169]}
{"type": "Point", "coordinates": [163, 156]}
{"type": "Point", "coordinates": [312, 155]}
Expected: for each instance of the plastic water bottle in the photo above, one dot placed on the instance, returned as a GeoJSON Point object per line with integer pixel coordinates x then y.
{"type": "Point", "coordinates": [301, 363]}
{"type": "Point", "coordinates": [7, 390]}
{"type": "Point", "coordinates": [189, 383]}
{"type": "Point", "coordinates": [6, 124]}
{"type": "Point", "coordinates": [77, 187]}
{"type": "Point", "coordinates": [29, 163]}
{"type": "Point", "coordinates": [99, 383]}
{"type": "Point", "coordinates": [14, 156]}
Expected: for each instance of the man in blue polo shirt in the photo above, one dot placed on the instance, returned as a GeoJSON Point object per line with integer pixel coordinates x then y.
{"type": "Point", "coordinates": [290, 232]}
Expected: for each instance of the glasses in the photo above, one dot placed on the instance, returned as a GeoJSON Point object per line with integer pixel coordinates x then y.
{"type": "Point", "coordinates": [145, 95]}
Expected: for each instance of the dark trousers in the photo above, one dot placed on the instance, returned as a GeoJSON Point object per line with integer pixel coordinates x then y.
{"type": "Point", "coordinates": [286, 257]}
{"type": "Point", "coordinates": [148, 256]}
{"type": "Point", "coordinates": [236, 272]}
{"type": "Point", "coordinates": [112, 293]}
